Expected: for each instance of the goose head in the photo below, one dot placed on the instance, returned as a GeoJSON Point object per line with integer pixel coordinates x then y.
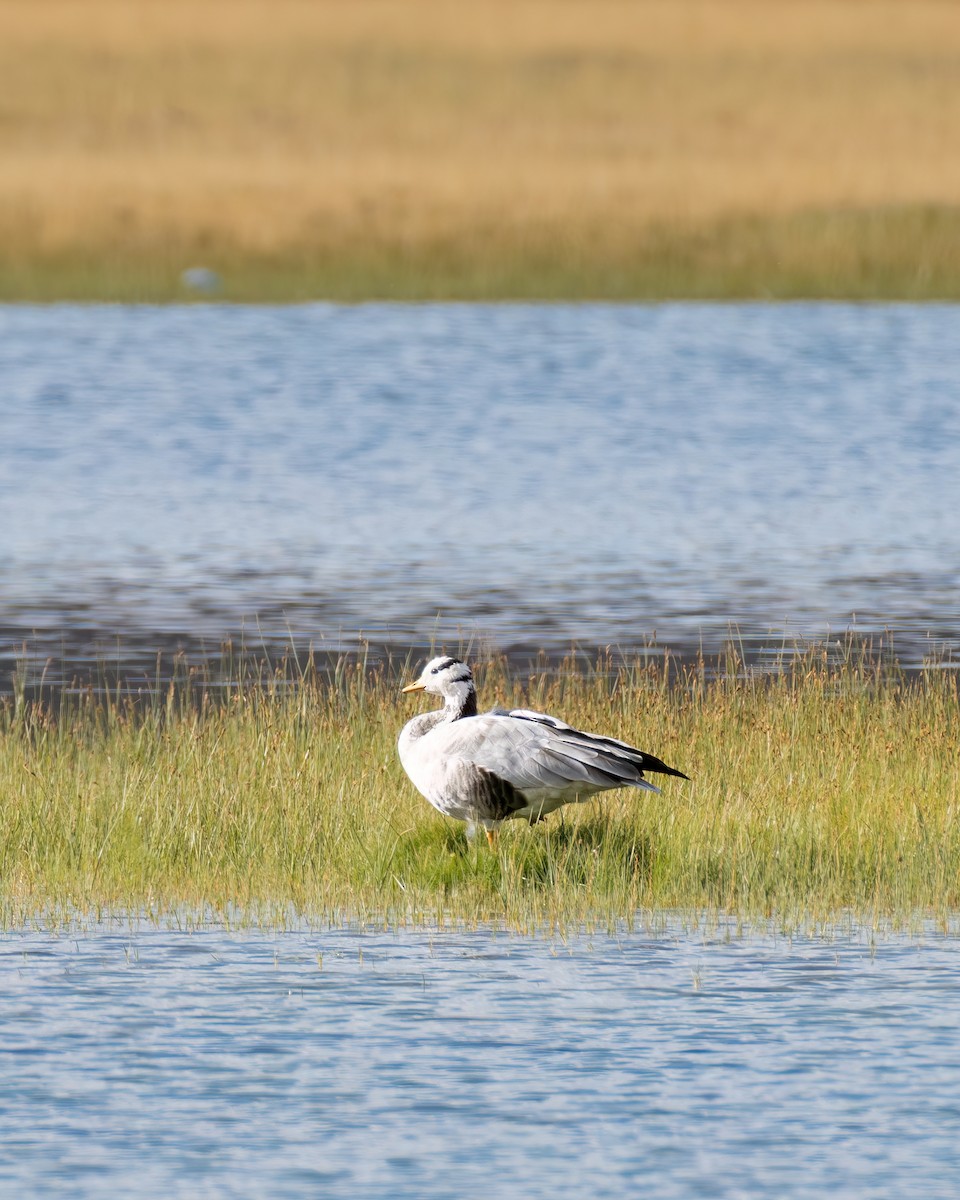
{"type": "Point", "coordinates": [451, 679]}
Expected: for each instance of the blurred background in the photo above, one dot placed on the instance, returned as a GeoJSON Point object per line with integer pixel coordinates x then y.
{"type": "Point", "coordinates": [695, 465]}
{"type": "Point", "coordinates": [504, 148]}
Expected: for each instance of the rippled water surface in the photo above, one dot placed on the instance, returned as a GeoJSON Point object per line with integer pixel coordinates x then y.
{"type": "Point", "coordinates": [536, 474]}
{"type": "Point", "coordinates": [667, 1064]}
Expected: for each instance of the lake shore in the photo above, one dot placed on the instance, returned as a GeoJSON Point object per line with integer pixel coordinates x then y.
{"type": "Point", "coordinates": [907, 254]}
{"type": "Point", "coordinates": [524, 151]}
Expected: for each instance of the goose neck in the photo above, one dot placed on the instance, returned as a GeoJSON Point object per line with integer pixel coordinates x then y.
{"type": "Point", "coordinates": [460, 702]}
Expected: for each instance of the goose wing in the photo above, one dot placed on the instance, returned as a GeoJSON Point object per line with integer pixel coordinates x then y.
{"type": "Point", "coordinates": [616, 754]}
{"type": "Point", "coordinates": [534, 753]}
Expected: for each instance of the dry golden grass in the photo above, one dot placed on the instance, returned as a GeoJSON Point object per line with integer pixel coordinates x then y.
{"type": "Point", "coordinates": [579, 143]}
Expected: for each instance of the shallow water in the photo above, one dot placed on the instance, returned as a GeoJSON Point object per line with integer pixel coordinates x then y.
{"type": "Point", "coordinates": [340, 1063]}
{"type": "Point", "coordinates": [538, 475]}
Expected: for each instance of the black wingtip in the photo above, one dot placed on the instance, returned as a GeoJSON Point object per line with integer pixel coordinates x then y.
{"type": "Point", "coordinates": [655, 764]}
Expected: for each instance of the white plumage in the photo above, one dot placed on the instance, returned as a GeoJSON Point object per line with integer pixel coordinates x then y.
{"type": "Point", "coordinates": [491, 767]}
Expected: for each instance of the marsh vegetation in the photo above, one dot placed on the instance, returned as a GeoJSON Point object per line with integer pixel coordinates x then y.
{"type": "Point", "coordinates": [524, 149]}
{"type": "Point", "coordinates": [828, 787]}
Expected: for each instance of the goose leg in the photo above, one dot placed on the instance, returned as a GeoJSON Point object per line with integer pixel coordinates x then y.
{"type": "Point", "coordinates": [492, 838]}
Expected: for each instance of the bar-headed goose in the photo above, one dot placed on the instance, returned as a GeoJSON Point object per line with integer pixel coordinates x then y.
{"type": "Point", "coordinates": [491, 767]}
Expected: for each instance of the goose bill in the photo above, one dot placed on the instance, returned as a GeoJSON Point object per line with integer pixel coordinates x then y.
{"type": "Point", "coordinates": [417, 686]}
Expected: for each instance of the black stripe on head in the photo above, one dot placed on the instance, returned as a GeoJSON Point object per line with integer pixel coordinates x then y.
{"type": "Point", "coordinates": [443, 664]}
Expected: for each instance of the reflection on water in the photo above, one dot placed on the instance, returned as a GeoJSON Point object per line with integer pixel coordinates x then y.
{"type": "Point", "coordinates": [162, 1064]}
{"type": "Point", "coordinates": [538, 475]}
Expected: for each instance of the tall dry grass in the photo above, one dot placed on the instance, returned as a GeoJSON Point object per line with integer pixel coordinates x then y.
{"type": "Point", "coordinates": [829, 789]}
{"type": "Point", "coordinates": [503, 147]}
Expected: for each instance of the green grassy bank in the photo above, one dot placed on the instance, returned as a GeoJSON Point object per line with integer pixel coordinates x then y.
{"type": "Point", "coordinates": [909, 253]}
{"type": "Point", "coordinates": [826, 790]}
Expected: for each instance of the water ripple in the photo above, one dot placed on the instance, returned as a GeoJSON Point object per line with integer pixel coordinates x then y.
{"type": "Point", "coordinates": [419, 1064]}
{"type": "Point", "coordinates": [538, 475]}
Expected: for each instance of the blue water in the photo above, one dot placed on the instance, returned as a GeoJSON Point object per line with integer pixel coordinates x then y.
{"type": "Point", "coordinates": [337, 1063]}
{"type": "Point", "coordinates": [532, 475]}
{"type": "Point", "coordinates": [535, 475]}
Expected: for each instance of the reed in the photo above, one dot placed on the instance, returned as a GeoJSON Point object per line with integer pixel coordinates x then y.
{"type": "Point", "coordinates": [826, 789]}
{"type": "Point", "coordinates": [505, 148]}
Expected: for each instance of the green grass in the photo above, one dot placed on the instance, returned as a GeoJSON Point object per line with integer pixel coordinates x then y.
{"type": "Point", "coordinates": [824, 791]}
{"type": "Point", "coordinates": [898, 253]}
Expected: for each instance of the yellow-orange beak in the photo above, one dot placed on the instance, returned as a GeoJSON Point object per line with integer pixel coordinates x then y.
{"type": "Point", "coordinates": [416, 686]}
